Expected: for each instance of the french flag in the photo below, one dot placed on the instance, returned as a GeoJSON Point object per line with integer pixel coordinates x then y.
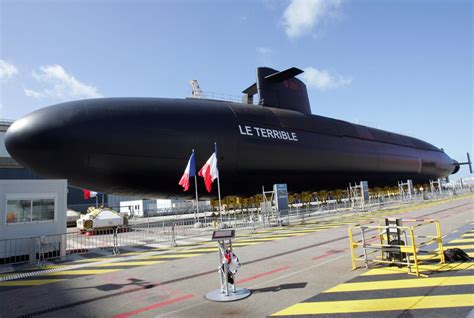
{"type": "Point", "coordinates": [209, 171]}
{"type": "Point", "coordinates": [88, 194]}
{"type": "Point", "coordinates": [190, 171]}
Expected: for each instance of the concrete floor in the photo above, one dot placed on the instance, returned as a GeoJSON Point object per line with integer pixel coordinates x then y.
{"type": "Point", "coordinates": [280, 273]}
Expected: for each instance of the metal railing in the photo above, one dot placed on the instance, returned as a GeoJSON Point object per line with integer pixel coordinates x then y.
{"type": "Point", "coordinates": [181, 227]}
{"type": "Point", "coordinates": [407, 251]}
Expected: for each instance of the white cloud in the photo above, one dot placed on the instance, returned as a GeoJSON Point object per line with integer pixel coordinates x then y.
{"type": "Point", "coordinates": [58, 84]}
{"type": "Point", "coordinates": [7, 70]}
{"type": "Point", "coordinates": [264, 50]}
{"type": "Point", "coordinates": [324, 80]}
{"type": "Point", "coordinates": [302, 16]}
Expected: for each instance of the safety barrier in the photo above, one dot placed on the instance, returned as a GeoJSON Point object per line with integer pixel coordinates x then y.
{"type": "Point", "coordinates": [170, 231]}
{"type": "Point", "coordinates": [397, 244]}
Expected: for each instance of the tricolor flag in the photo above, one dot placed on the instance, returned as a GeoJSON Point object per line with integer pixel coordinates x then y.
{"type": "Point", "coordinates": [209, 171]}
{"type": "Point", "coordinates": [190, 171]}
{"type": "Point", "coordinates": [88, 194]}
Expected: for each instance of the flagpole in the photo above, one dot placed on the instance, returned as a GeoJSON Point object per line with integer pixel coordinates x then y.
{"type": "Point", "coordinates": [197, 198]}
{"type": "Point", "coordinates": [218, 183]}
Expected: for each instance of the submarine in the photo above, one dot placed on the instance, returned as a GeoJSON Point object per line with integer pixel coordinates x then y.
{"type": "Point", "coordinates": [140, 146]}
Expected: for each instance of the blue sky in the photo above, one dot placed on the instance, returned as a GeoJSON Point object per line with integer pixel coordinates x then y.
{"type": "Point", "coordinates": [403, 66]}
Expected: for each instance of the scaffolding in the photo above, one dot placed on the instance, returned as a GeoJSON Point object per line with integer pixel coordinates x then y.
{"type": "Point", "coordinates": [435, 186]}
{"type": "Point", "coordinates": [359, 193]}
{"type": "Point", "coordinates": [406, 189]}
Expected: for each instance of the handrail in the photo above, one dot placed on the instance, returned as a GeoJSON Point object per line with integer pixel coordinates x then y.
{"type": "Point", "coordinates": [411, 250]}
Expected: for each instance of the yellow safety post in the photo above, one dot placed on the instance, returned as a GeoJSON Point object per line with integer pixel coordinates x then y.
{"type": "Point", "coordinates": [415, 257]}
{"type": "Point", "coordinates": [439, 239]}
{"type": "Point", "coordinates": [381, 238]}
{"type": "Point", "coordinates": [352, 247]}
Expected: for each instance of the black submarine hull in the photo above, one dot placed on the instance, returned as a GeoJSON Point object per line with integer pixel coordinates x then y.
{"type": "Point", "coordinates": [141, 146]}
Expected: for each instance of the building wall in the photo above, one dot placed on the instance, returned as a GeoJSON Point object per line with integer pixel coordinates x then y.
{"type": "Point", "coordinates": [33, 189]}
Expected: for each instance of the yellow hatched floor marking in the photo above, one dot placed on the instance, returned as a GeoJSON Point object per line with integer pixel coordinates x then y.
{"type": "Point", "coordinates": [385, 304]}
{"type": "Point", "coordinates": [464, 247]}
{"type": "Point", "coordinates": [173, 256]}
{"type": "Point", "coordinates": [470, 254]}
{"type": "Point", "coordinates": [83, 272]}
{"type": "Point", "coordinates": [431, 257]}
{"type": "Point", "coordinates": [131, 263]}
{"type": "Point", "coordinates": [403, 283]}
{"type": "Point", "coordinates": [32, 282]}
{"type": "Point", "coordinates": [437, 267]}
{"type": "Point", "coordinates": [465, 240]}
{"type": "Point", "coordinates": [468, 235]}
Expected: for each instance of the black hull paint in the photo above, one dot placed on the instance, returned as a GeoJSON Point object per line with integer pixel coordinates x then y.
{"type": "Point", "coordinates": [141, 146]}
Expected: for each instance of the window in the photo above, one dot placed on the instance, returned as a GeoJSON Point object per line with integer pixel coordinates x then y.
{"type": "Point", "coordinates": [21, 211]}
{"type": "Point", "coordinates": [43, 210]}
{"type": "Point", "coordinates": [18, 211]}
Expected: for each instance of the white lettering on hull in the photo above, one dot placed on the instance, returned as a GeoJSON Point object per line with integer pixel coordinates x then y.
{"type": "Point", "coordinates": [267, 133]}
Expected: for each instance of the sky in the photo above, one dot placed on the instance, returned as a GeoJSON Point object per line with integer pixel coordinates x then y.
{"type": "Point", "coordinates": [403, 66]}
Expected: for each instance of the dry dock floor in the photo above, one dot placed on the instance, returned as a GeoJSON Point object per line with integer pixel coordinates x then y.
{"type": "Point", "coordinates": [301, 270]}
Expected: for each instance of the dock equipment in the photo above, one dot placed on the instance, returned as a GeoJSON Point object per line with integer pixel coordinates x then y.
{"type": "Point", "coordinates": [397, 244]}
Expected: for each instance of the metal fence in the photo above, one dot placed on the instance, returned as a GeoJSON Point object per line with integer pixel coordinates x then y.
{"type": "Point", "coordinates": [171, 230]}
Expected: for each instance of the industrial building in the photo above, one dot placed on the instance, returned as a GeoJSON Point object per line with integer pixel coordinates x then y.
{"type": "Point", "coordinates": [31, 209]}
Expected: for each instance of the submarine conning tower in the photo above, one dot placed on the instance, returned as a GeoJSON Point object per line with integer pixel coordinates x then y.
{"type": "Point", "coordinates": [279, 90]}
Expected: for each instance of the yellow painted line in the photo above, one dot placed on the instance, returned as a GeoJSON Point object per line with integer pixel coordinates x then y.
{"type": "Point", "coordinates": [316, 228]}
{"type": "Point", "coordinates": [403, 283]}
{"type": "Point", "coordinates": [287, 235]}
{"type": "Point", "coordinates": [435, 267]}
{"type": "Point", "coordinates": [384, 304]}
{"type": "Point", "coordinates": [131, 263]}
{"type": "Point", "coordinates": [245, 243]}
{"type": "Point", "coordinates": [465, 240]}
{"type": "Point", "coordinates": [173, 256]}
{"type": "Point", "coordinates": [304, 231]}
{"type": "Point", "coordinates": [260, 240]}
{"type": "Point", "coordinates": [83, 272]}
{"type": "Point", "coordinates": [197, 250]}
{"type": "Point", "coordinates": [90, 260]}
{"type": "Point", "coordinates": [263, 231]}
{"type": "Point", "coordinates": [33, 282]}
